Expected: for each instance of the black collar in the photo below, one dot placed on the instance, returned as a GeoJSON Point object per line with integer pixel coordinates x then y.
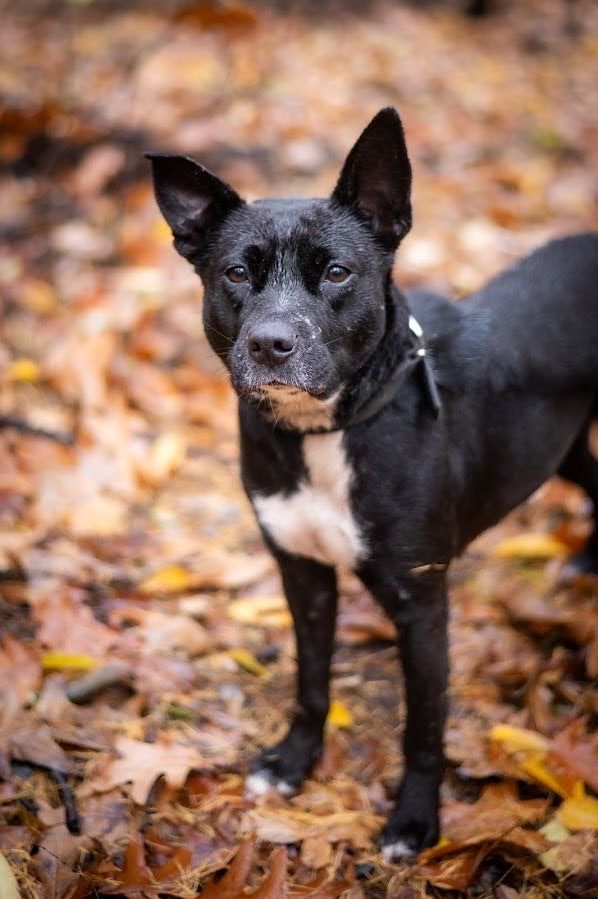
{"type": "Point", "coordinates": [415, 360]}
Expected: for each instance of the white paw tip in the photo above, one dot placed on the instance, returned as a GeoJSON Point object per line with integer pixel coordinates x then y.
{"type": "Point", "coordinates": [261, 782]}
{"type": "Point", "coordinates": [284, 788]}
{"type": "Point", "coordinates": [257, 784]}
{"type": "Point", "coordinates": [394, 852]}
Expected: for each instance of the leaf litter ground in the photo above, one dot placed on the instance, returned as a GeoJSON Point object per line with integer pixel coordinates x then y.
{"type": "Point", "coordinates": [145, 646]}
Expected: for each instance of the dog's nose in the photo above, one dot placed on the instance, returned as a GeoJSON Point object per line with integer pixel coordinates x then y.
{"type": "Point", "coordinates": [271, 343]}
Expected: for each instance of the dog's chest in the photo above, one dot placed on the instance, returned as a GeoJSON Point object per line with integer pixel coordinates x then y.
{"type": "Point", "coordinates": [316, 520]}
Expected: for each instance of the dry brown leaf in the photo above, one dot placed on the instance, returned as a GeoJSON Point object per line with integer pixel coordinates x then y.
{"type": "Point", "coordinates": [140, 764]}
{"type": "Point", "coordinates": [67, 624]}
{"type": "Point", "coordinates": [162, 632]}
{"type": "Point", "coordinates": [230, 886]}
{"type": "Point", "coordinates": [9, 888]}
{"type": "Point", "coordinates": [57, 859]}
{"type": "Point", "coordinates": [577, 750]}
{"type": "Point", "coordinates": [31, 741]}
{"type": "Point", "coordinates": [20, 670]}
{"type": "Point", "coordinates": [316, 852]}
{"type": "Point", "coordinates": [292, 826]}
{"type": "Point", "coordinates": [453, 872]}
{"type": "Point", "coordinates": [496, 812]}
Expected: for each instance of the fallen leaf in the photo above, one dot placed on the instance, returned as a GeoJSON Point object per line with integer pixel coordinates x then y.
{"type": "Point", "coordinates": [454, 872]}
{"type": "Point", "coordinates": [263, 611]}
{"type": "Point", "coordinates": [63, 616]}
{"type": "Point", "coordinates": [578, 750]}
{"type": "Point", "coordinates": [530, 547]}
{"type": "Point", "coordinates": [571, 854]}
{"type": "Point", "coordinates": [293, 826]}
{"type": "Point", "coordinates": [67, 661]}
{"type": "Point", "coordinates": [339, 715]}
{"type": "Point", "coordinates": [496, 812]}
{"type": "Point", "coordinates": [534, 765]}
{"type": "Point", "coordinates": [316, 852]}
{"type": "Point", "coordinates": [20, 670]}
{"type": "Point", "coordinates": [31, 741]}
{"type": "Point", "coordinates": [23, 370]}
{"type": "Point", "coordinates": [164, 456]}
{"type": "Point", "coordinates": [248, 662]}
{"type": "Point", "coordinates": [230, 886]}
{"type": "Point", "coordinates": [515, 739]}
{"type": "Point", "coordinates": [579, 811]}
{"type": "Point", "coordinates": [164, 632]}
{"type": "Point", "coordinates": [9, 888]}
{"type": "Point", "coordinates": [273, 886]}
{"type": "Point", "coordinates": [57, 859]}
{"type": "Point", "coordinates": [172, 579]}
{"type": "Point", "coordinates": [140, 764]}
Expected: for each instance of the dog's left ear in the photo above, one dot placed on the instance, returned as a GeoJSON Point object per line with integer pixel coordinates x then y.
{"type": "Point", "coordinates": [376, 179]}
{"type": "Point", "coordinates": [193, 201]}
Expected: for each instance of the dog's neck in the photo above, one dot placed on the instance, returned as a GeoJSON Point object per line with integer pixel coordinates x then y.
{"type": "Point", "coordinates": [392, 349]}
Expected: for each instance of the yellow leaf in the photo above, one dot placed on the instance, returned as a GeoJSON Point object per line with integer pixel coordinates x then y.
{"type": "Point", "coordinates": [535, 767]}
{"type": "Point", "coordinates": [248, 661]}
{"type": "Point", "coordinates": [164, 457]}
{"type": "Point", "coordinates": [517, 739]}
{"type": "Point", "coordinates": [530, 546]}
{"type": "Point", "coordinates": [23, 370]}
{"type": "Point", "coordinates": [67, 661]}
{"type": "Point", "coordinates": [167, 580]}
{"type": "Point", "coordinates": [579, 811]}
{"type": "Point", "coordinates": [339, 715]}
{"type": "Point", "coordinates": [39, 296]}
{"type": "Point", "coordinates": [555, 831]}
{"type": "Point", "coordinates": [9, 888]}
{"type": "Point", "coordinates": [267, 611]}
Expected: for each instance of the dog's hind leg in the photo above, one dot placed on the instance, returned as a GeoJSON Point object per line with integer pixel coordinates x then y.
{"type": "Point", "coordinates": [581, 467]}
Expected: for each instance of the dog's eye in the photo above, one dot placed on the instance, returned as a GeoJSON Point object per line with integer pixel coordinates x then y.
{"type": "Point", "coordinates": [337, 274]}
{"type": "Point", "coordinates": [237, 274]}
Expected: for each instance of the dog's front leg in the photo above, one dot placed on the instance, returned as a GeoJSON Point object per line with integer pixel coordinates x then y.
{"type": "Point", "coordinates": [423, 645]}
{"type": "Point", "coordinates": [311, 593]}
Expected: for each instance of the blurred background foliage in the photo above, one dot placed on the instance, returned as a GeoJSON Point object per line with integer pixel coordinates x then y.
{"type": "Point", "coordinates": [142, 630]}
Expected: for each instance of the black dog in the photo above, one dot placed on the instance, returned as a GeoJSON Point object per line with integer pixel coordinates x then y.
{"type": "Point", "coordinates": [381, 432]}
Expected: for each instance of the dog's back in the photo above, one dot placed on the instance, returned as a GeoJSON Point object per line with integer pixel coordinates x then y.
{"type": "Point", "coordinates": [540, 318]}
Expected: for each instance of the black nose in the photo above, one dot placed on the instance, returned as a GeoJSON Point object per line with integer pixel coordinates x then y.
{"type": "Point", "coordinates": [271, 343]}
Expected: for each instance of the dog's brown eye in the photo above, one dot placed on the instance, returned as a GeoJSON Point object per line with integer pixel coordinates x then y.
{"type": "Point", "coordinates": [236, 274]}
{"type": "Point", "coordinates": [337, 274]}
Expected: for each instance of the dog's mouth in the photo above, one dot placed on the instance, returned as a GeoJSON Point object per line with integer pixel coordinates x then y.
{"type": "Point", "coordinates": [282, 391]}
{"type": "Point", "coordinates": [296, 407]}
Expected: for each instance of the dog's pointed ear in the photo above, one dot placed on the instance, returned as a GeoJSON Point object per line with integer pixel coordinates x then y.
{"type": "Point", "coordinates": [192, 200]}
{"type": "Point", "coordinates": [376, 179]}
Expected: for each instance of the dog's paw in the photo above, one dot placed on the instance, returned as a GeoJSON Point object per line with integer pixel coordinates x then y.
{"type": "Point", "coordinates": [262, 780]}
{"type": "Point", "coordinates": [399, 851]}
{"type": "Point", "coordinates": [285, 766]}
{"type": "Point", "coordinates": [402, 842]}
{"type": "Point", "coordinates": [414, 823]}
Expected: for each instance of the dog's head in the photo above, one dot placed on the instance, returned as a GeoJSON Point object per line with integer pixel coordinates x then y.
{"type": "Point", "coordinates": [295, 290]}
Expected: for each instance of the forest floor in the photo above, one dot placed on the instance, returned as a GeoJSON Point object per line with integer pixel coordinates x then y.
{"type": "Point", "coordinates": [145, 648]}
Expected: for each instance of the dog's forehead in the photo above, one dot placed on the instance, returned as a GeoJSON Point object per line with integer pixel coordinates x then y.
{"type": "Point", "coordinates": [287, 225]}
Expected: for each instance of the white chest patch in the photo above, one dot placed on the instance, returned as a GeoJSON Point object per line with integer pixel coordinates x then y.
{"type": "Point", "coordinates": [316, 520]}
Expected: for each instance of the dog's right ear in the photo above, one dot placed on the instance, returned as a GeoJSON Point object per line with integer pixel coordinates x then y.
{"type": "Point", "coordinates": [193, 201]}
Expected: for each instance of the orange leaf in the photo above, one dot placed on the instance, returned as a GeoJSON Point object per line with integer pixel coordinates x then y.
{"type": "Point", "coordinates": [273, 886]}
{"type": "Point", "coordinates": [231, 885]}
